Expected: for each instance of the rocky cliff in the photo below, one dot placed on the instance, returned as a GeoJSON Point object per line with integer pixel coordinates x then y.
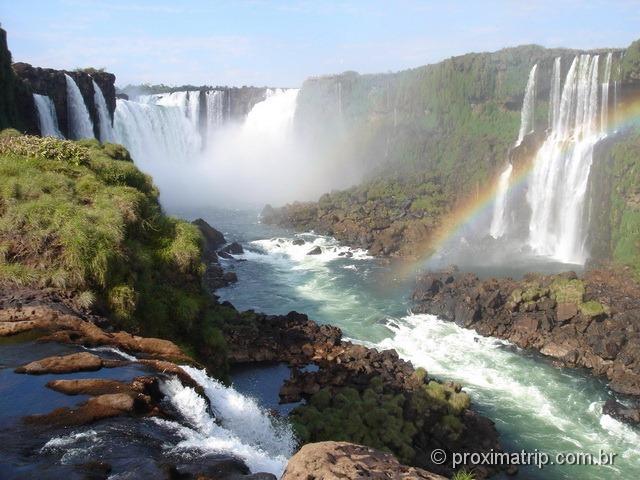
{"type": "Point", "coordinates": [20, 80]}
{"type": "Point", "coordinates": [50, 82]}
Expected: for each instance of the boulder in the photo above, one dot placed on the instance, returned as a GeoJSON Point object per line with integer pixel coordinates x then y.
{"type": "Point", "coordinates": [334, 460]}
{"type": "Point", "coordinates": [76, 362]}
{"type": "Point", "coordinates": [566, 311]}
{"type": "Point", "coordinates": [315, 251]}
{"type": "Point", "coordinates": [298, 241]}
{"type": "Point", "coordinates": [233, 248]}
{"type": "Point", "coordinates": [621, 412]}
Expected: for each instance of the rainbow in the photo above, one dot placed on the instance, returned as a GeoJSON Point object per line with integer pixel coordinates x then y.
{"type": "Point", "coordinates": [471, 209]}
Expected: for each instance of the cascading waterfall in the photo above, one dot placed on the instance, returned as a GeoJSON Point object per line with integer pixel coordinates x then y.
{"type": "Point", "coordinates": [106, 129]}
{"type": "Point", "coordinates": [604, 107]}
{"type": "Point", "coordinates": [80, 125]}
{"type": "Point", "coordinates": [560, 174]}
{"type": "Point", "coordinates": [47, 118]}
{"type": "Point", "coordinates": [528, 106]}
{"type": "Point", "coordinates": [554, 94]}
{"type": "Point", "coordinates": [155, 135]}
{"type": "Point", "coordinates": [499, 220]}
{"type": "Point", "coordinates": [240, 427]}
{"type": "Point", "coordinates": [215, 110]}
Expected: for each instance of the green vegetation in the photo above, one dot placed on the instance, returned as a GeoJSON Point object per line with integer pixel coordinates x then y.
{"type": "Point", "coordinates": [463, 475]}
{"type": "Point", "coordinates": [78, 216]}
{"type": "Point", "coordinates": [568, 291]}
{"type": "Point", "coordinates": [625, 200]}
{"type": "Point", "coordinates": [390, 422]}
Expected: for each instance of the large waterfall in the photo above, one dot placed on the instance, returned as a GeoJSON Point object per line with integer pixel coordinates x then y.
{"type": "Point", "coordinates": [558, 185]}
{"type": "Point", "coordinates": [196, 153]}
{"type": "Point", "coordinates": [106, 129]}
{"type": "Point", "coordinates": [47, 118]}
{"type": "Point", "coordinates": [80, 125]}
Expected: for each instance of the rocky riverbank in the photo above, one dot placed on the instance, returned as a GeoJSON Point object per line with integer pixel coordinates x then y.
{"type": "Point", "coordinates": [589, 322]}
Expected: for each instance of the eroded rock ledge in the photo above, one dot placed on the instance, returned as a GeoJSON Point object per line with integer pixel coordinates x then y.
{"type": "Point", "coordinates": [591, 322]}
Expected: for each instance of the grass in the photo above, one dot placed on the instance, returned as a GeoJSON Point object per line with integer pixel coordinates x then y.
{"type": "Point", "coordinates": [79, 216]}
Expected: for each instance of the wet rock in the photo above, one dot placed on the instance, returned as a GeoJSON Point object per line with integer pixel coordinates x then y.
{"type": "Point", "coordinates": [315, 251]}
{"type": "Point", "coordinates": [89, 386]}
{"type": "Point", "coordinates": [325, 460]}
{"type": "Point", "coordinates": [298, 241]}
{"type": "Point", "coordinates": [621, 412]}
{"type": "Point", "coordinates": [591, 322]}
{"type": "Point", "coordinates": [233, 248]}
{"type": "Point", "coordinates": [230, 277]}
{"type": "Point", "coordinates": [76, 362]}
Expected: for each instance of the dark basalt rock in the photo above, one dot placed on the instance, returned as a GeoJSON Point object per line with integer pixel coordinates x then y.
{"type": "Point", "coordinates": [50, 82]}
{"type": "Point", "coordinates": [620, 412]}
{"type": "Point", "coordinates": [298, 241]}
{"type": "Point", "coordinates": [233, 248]}
{"type": "Point", "coordinates": [214, 238]}
{"type": "Point", "coordinates": [315, 251]}
{"type": "Point", "coordinates": [591, 322]}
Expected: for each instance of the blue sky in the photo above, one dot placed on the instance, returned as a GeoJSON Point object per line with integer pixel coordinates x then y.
{"type": "Point", "coordinates": [280, 43]}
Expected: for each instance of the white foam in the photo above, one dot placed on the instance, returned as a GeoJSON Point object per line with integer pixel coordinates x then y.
{"type": "Point", "coordinates": [279, 249]}
{"type": "Point", "coordinates": [233, 437]}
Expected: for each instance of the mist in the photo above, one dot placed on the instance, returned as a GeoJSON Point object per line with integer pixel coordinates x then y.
{"type": "Point", "coordinates": [238, 163]}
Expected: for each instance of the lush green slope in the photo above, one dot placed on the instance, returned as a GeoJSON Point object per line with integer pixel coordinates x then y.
{"type": "Point", "coordinates": [80, 217]}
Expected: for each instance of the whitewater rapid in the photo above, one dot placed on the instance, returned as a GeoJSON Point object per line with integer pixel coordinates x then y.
{"type": "Point", "coordinates": [534, 404]}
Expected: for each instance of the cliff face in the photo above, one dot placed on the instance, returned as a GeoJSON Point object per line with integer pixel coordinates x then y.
{"type": "Point", "coordinates": [50, 82]}
{"type": "Point", "coordinates": [17, 109]}
{"type": "Point", "coordinates": [458, 118]}
{"type": "Point", "coordinates": [19, 81]}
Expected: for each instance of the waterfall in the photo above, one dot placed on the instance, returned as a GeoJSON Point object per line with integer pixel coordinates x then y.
{"type": "Point", "coordinates": [527, 115]}
{"type": "Point", "coordinates": [255, 160]}
{"type": "Point", "coordinates": [499, 220]}
{"type": "Point", "coordinates": [106, 129]}
{"type": "Point", "coordinates": [47, 118]}
{"type": "Point", "coordinates": [561, 169]}
{"type": "Point", "coordinates": [604, 106]}
{"type": "Point", "coordinates": [80, 125]}
{"type": "Point", "coordinates": [554, 95]}
{"type": "Point", "coordinates": [155, 135]}
{"type": "Point", "coordinates": [240, 427]}
{"type": "Point", "coordinates": [215, 110]}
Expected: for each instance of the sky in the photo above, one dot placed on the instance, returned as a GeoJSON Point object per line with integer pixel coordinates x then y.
{"type": "Point", "coordinates": [280, 43]}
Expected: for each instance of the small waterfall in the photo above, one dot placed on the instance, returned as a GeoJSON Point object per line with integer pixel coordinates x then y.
{"type": "Point", "coordinates": [527, 115]}
{"type": "Point", "coordinates": [499, 220]}
{"type": "Point", "coordinates": [47, 118]}
{"type": "Point", "coordinates": [240, 427]}
{"type": "Point", "coordinates": [604, 105]}
{"type": "Point", "coordinates": [215, 110]}
{"type": "Point", "coordinates": [561, 169]}
{"type": "Point", "coordinates": [106, 129]}
{"type": "Point", "coordinates": [554, 95]}
{"type": "Point", "coordinates": [80, 125]}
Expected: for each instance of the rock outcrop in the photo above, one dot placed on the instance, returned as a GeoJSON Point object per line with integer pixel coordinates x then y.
{"type": "Point", "coordinates": [591, 322]}
{"type": "Point", "coordinates": [336, 460]}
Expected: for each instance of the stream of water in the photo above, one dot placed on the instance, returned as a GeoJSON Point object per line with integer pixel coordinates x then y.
{"type": "Point", "coordinates": [534, 404]}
